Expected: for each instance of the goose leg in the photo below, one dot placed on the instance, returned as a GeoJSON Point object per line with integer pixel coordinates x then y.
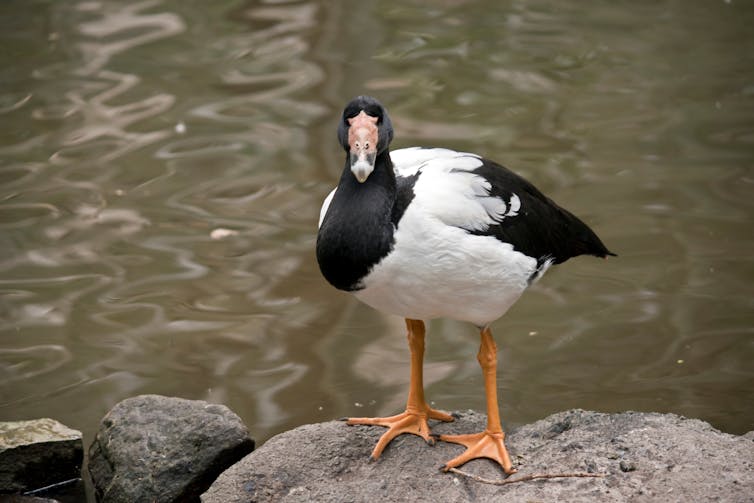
{"type": "Point", "coordinates": [490, 442]}
{"type": "Point", "coordinates": [414, 419]}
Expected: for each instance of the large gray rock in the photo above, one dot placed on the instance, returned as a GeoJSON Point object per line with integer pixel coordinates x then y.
{"type": "Point", "coordinates": [156, 448]}
{"type": "Point", "coordinates": [645, 457]}
{"type": "Point", "coordinates": [38, 453]}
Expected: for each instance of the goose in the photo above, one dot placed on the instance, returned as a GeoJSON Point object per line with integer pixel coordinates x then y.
{"type": "Point", "coordinates": [426, 233]}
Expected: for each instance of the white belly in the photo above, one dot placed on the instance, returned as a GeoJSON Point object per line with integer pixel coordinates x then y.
{"type": "Point", "coordinates": [441, 271]}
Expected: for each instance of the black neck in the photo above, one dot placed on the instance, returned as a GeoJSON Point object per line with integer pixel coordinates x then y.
{"type": "Point", "coordinates": [357, 231]}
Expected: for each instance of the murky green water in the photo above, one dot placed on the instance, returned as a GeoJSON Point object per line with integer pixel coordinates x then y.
{"type": "Point", "coordinates": [162, 165]}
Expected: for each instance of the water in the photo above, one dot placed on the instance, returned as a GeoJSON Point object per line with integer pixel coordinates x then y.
{"type": "Point", "coordinates": [162, 164]}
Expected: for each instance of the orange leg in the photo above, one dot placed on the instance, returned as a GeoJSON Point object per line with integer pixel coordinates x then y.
{"type": "Point", "coordinates": [490, 442]}
{"type": "Point", "coordinates": [414, 419]}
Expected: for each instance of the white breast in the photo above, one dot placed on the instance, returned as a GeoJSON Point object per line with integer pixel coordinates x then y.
{"type": "Point", "coordinates": [437, 268]}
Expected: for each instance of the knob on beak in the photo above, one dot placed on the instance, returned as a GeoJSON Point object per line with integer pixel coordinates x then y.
{"type": "Point", "coordinates": [362, 138]}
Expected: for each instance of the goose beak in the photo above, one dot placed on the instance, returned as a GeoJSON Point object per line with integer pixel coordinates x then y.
{"type": "Point", "coordinates": [362, 166]}
{"type": "Point", "coordinates": [362, 140]}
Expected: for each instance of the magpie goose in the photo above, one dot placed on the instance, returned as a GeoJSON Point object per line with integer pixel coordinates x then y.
{"type": "Point", "coordinates": [428, 233]}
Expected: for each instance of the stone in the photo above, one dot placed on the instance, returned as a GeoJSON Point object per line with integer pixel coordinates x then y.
{"type": "Point", "coordinates": [38, 453]}
{"type": "Point", "coordinates": [643, 456]}
{"type": "Point", "coordinates": [157, 448]}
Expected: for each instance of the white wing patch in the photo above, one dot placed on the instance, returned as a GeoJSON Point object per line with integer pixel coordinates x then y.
{"type": "Point", "coordinates": [450, 191]}
{"type": "Point", "coordinates": [407, 161]}
{"type": "Point", "coordinates": [514, 204]}
{"type": "Point", "coordinates": [498, 210]}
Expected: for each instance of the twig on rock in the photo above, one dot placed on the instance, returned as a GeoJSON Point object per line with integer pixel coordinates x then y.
{"type": "Point", "coordinates": [525, 478]}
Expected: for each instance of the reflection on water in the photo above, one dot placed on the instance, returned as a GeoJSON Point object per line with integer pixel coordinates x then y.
{"type": "Point", "coordinates": [163, 163]}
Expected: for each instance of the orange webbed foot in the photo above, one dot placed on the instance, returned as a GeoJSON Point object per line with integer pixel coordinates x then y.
{"type": "Point", "coordinates": [415, 423]}
{"type": "Point", "coordinates": [485, 444]}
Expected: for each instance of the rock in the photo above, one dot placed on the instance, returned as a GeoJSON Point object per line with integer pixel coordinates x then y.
{"type": "Point", "coordinates": [643, 456]}
{"type": "Point", "coordinates": [38, 453]}
{"type": "Point", "coordinates": [156, 448]}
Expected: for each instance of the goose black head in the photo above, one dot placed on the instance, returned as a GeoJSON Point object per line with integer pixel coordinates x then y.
{"type": "Point", "coordinates": [365, 131]}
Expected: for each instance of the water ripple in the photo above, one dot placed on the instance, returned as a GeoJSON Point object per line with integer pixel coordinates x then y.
{"type": "Point", "coordinates": [130, 22]}
{"type": "Point", "coordinates": [31, 361]}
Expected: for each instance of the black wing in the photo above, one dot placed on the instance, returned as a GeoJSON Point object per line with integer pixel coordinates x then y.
{"type": "Point", "coordinates": [540, 229]}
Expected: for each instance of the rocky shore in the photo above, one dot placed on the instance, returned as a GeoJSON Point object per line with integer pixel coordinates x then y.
{"type": "Point", "coordinates": [636, 457]}
{"type": "Point", "coordinates": [155, 448]}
